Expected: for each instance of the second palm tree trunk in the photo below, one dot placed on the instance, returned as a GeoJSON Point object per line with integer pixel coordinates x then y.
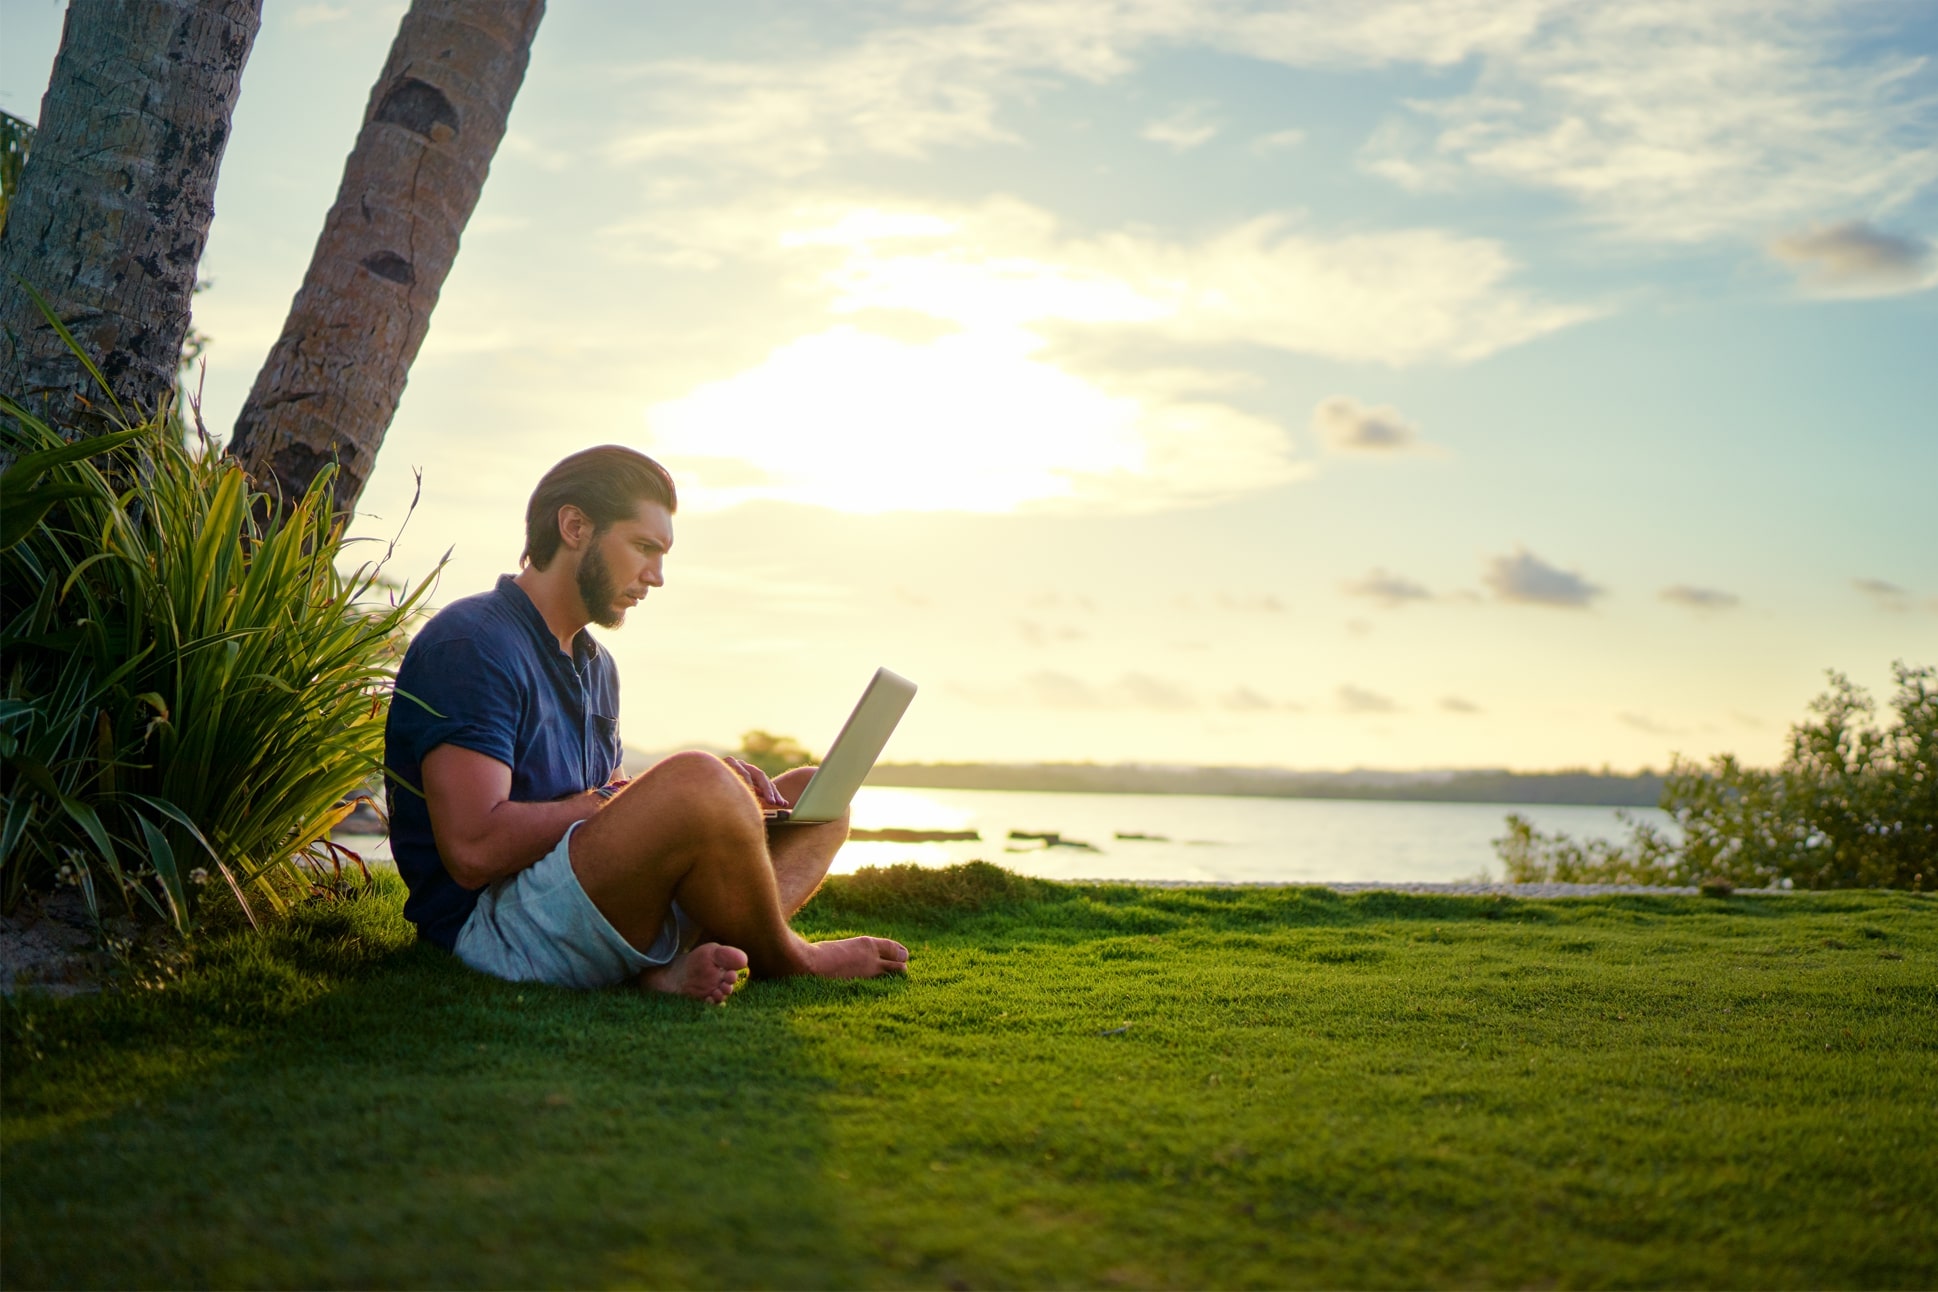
{"type": "Point", "coordinates": [332, 382]}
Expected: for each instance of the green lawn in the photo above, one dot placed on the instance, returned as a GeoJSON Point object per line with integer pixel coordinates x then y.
{"type": "Point", "coordinates": [1075, 1086]}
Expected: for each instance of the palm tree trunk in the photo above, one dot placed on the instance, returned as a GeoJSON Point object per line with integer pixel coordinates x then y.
{"type": "Point", "coordinates": [114, 204]}
{"type": "Point", "coordinates": [331, 383]}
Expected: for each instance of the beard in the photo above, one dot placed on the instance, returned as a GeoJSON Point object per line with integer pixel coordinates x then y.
{"type": "Point", "coordinates": [598, 589]}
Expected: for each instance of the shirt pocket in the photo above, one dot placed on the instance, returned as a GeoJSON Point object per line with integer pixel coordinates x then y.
{"type": "Point", "coordinates": [606, 745]}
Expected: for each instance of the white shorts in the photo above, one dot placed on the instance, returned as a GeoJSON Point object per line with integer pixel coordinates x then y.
{"type": "Point", "coordinates": [539, 926]}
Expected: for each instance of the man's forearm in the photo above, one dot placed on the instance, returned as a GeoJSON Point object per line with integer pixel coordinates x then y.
{"type": "Point", "coordinates": [513, 836]}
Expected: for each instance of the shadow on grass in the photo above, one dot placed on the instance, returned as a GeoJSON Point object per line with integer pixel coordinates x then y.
{"type": "Point", "coordinates": [369, 1115]}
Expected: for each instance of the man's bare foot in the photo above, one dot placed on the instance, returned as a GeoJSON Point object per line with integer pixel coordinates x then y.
{"type": "Point", "coordinates": [708, 972]}
{"type": "Point", "coordinates": [856, 958]}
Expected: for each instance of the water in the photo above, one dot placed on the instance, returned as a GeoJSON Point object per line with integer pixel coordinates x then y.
{"type": "Point", "coordinates": [1200, 837]}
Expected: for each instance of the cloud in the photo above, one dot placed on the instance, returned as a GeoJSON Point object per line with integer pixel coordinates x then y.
{"type": "Point", "coordinates": [1039, 634]}
{"type": "Point", "coordinates": [1683, 594]}
{"type": "Point", "coordinates": [1060, 691]}
{"type": "Point", "coordinates": [1048, 689]}
{"type": "Point", "coordinates": [1387, 589]}
{"type": "Point", "coordinates": [1185, 128]}
{"type": "Point", "coordinates": [1279, 140]}
{"type": "Point", "coordinates": [974, 421]}
{"type": "Point", "coordinates": [1397, 297]}
{"type": "Point", "coordinates": [1529, 580]}
{"type": "Point", "coordinates": [1668, 122]}
{"type": "Point", "coordinates": [984, 415]}
{"type": "Point", "coordinates": [1267, 604]}
{"type": "Point", "coordinates": [1345, 425]}
{"type": "Point", "coordinates": [1142, 691]}
{"type": "Point", "coordinates": [1454, 704]}
{"type": "Point", "coordinates": [1884, 595]}
{"type": "Point", "coordinates": [1355, 699]}
{"type": "Point", "coordinates": [1856, 259]}
{"type": "Point", "coordinates": [906, 89]}
{"type": "Point", "coordinates": [1682, 122]}
{"type": "Point", "coordinates": [1642, 722]}
{"type": "Point", "coordinates": [1245, 700]}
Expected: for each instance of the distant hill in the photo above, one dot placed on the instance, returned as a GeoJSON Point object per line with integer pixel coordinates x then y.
{"type": "Point", "coordinates": [1593, 789]}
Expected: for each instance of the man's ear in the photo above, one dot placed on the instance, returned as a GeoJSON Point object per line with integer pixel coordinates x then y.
{"type": "Point", "coordinates": [575, 527]}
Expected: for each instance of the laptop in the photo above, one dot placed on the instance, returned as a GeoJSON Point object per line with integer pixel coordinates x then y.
{"type": "Point", "coordinates": [853, 752]}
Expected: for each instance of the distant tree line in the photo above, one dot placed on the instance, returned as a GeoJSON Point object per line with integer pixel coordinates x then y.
{"type": "Point", "coordinates": [1595, 789]}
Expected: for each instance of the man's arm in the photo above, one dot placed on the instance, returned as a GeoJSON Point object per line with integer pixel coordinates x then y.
{"type": "Point", "coordinates": [481, 834]}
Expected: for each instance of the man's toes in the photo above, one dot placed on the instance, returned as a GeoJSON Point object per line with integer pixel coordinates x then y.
{"type": "Point", "coordinates": [891, 951]}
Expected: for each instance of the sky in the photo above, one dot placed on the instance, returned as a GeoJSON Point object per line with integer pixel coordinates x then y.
{"type": "Point", "coordinates": [1428, 383]}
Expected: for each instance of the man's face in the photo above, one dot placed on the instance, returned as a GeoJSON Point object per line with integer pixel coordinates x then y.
{"type": "Point", "coordinates": [623, 562]}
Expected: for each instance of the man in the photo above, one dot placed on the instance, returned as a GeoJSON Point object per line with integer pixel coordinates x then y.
{"type": "Point", "coordinates": [525, 851]}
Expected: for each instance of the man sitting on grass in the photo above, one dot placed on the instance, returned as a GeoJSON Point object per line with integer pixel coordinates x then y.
{"type": "Point", "coordinates": [526, 852]}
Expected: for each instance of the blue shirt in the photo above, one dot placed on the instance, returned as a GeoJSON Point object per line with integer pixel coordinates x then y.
{"type": "Point", "coordinates": [486, 674]}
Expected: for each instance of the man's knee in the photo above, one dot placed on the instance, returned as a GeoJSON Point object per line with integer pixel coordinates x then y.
{"type": "Point", "coordinates": [793, 781]}
{"type": "Point", "coordinates": [697, 784]}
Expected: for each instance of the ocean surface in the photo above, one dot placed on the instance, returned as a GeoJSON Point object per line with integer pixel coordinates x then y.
{"type": "Point", "coordinates": [1192, 837]}
{"type": "Point", "coordinates": [1199, 837]}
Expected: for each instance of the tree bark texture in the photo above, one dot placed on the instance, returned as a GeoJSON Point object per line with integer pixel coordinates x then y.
{"type": "Point", "coordinates": [114, 204]}
{"type": "Point", "coordinates": [332, 382]}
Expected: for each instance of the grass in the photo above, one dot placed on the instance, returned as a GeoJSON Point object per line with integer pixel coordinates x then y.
{"type": "Point", "coordinates": [1076, 1086]}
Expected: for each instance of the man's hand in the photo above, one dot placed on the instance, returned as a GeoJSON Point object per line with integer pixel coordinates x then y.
{"type": "Point", "coordinates": [758, 781]}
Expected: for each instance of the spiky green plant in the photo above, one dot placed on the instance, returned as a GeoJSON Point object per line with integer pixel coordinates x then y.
{"type": "Point", "coordinates": [191, 684]}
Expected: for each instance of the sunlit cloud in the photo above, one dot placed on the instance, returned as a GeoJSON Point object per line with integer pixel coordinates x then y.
{"type": "Point", "coordinates": [1357, 699]}
{"type": "Point", "coordinates": [1244, 699]}
{"type": "Point", "coordinates": [1041, 634]}
{"type": "Point", "coordinates": [1387, 589]}
{"type": "Point", "coordinates": [1184, 129]}
{"type": "Point", "coordinates": [1644, 723]}
{"type": "Point", "coordinates": [1264, 604]}
{"type": "Point", "coordinates": [1855, 258]}
{"type": "Point", "coordinates": [1344, 425]}
{"type": "Point", "coordinates": [1147, 692]}
{"type": "Point", "coordinates": [982, 417]}
{"type": "Point", "coordinates": [1279, 140]}
{"type": "Point", "coordinates": [1886, 595]}
{"type": "Point", "coordinates": [1529, 580]}
{"type": "Point", "coordinates": [1399, 297]}
{"type": "Point", "coordinates": [956, 77]}
{"type": "Point", "coordinates": [1050, 689]}
{"type": "Point", "coordinates": [1694, 598]}
{"type": "Point", "coordinates": [1682, 122]}
{"type": "Point", "coordinates": [1670, 122]}
{"type": "Point", "coordinates": [974, 421]}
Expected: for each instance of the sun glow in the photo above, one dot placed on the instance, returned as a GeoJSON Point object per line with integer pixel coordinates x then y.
{"type": "Point", "coordinates": [972, 421]}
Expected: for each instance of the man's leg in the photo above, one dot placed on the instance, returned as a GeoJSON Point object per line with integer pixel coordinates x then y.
{"type": "Point", "coordinates": [689, 829]}
{"type": "Point", "coordinates": [802, 853]}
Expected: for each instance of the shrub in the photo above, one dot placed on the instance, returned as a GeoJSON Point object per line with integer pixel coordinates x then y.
{"type": "Point", "coordinates": [191, 685]}
{"type": "Point", "coordinates": [1851, 806]}
{"type": "Point", "coordinates": [1531, 857]}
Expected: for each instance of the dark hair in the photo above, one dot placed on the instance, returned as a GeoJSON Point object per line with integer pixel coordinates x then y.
{"type": "Point", "coordinates": [607, 484]}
